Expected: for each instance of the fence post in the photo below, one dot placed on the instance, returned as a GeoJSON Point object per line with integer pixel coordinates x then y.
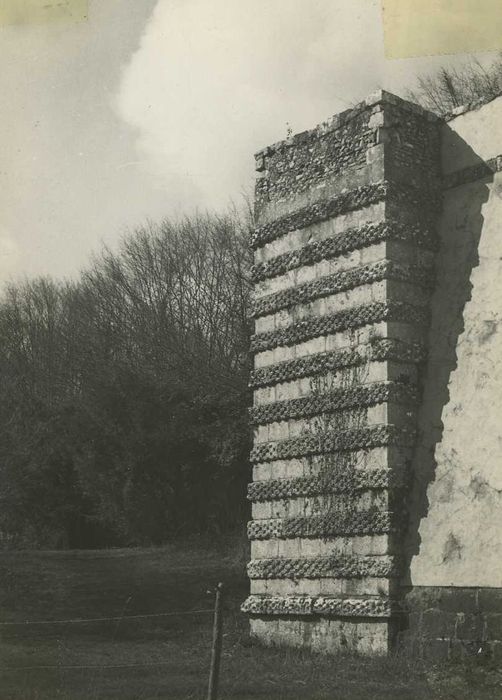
{"type": "Point", "coordinates": [214, 672]}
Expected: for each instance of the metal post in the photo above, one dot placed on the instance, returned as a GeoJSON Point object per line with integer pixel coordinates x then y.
{"type": "Point", "coordinates": [212, 691]}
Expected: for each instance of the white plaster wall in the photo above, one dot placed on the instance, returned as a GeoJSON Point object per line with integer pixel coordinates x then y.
{"type": "Point", "coordinates": [460, 539]}
{"type": "Point", "coordinates": [480, 129]}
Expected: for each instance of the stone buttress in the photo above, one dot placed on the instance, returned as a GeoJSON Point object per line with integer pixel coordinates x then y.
{"type": "Point", "coordinates": [344, 253]}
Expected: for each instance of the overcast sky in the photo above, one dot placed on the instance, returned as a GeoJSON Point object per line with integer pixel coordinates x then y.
{"type": "Point", "coordinates": [155, 107]}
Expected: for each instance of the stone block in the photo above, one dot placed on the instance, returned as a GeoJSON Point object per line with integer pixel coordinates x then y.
{"type": "Point", "coordinates": [367, 586]}
{"type": "Point", "coordinates": [272, 432]}
{"type": "Point", "coordinates": [407, 292]}
{"type": "Point", "coordinates": [463, 600]}
{"type": "Point", "coordinates": [489, 600]}
{"type": "Point", "coordinates": [310, 347]}
{"type": "Point", "coordinates": [492, 626]}
{"type": "Point", "coordinates": [291, 548]}
{"type": "Point", "coordinates": [437, 624]}
{"type": "Point", "coordinates": [262, 471]}
{"type": "Point", "coordinates": [258, 587]}
{"type": "Point", "coordinates": [375, 155]}
{"type": "Point", "coordinates": [283, 353]}
{"type": "Point", "coordinates": [263, 433]}
{"type": "Point", "coordinates": [262, 359]}
{"type": "Point", "coordinates": [399, 372]}
{"type": "Point", "coordinates": [264, 630]}
{"type": "Point", "coordinates": [373, 638]}
{"type": "Point", "coordinates": [265, 549]}
{"type": "Point", "coordinates": [279, 468]}
{"type": "Point", "coordinates": [407, 332]}
{"type": "Point", "coordinates": [324, 636]}
{"type": "Point", "coordinates": [261, 510]}
{"type": "Point", "coordinates": [371, 544]}
{"type": "Point", "coordinates": [295, 468]}
{"type": "Point", "coordinates": [265, 394]}
{"type": "Point", "coordinates": [331, 586]}
{"type": "Point", "coordinates": [470, 627]}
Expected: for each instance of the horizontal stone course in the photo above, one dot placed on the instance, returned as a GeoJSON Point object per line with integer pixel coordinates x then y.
{"type": "Point", "coordinates": [342, 281]}
{"type": "Point", "coordinates": [336, 566]}
{"type": "Point", "coordinates": [296, 548]}
{"type": "Point", "coordinates": [351, 318]}
{"type": "Point", "coordinates": [369, 522]}
{"type": "Point", "coordinates": [322, 443]}
{"type": "Point", "coordinates": [323, 634]}
{"type": "Point", "coordinates": [333, 380]}
{"type": "Point", "coordinates": [325, 483]}
{"type": "Point", "coordinates": [376, 292]}
{"type": "Point", "coordinates": [345, 242]}
{"type": "Point", "coordinates": [312, 506]}
{"type": "Point", "coordinates": [306, 605]}
{"type": "Point", "coordinates": [324, 586]}
{"type": "Point", "coordinates": [342, 340]}
{"type": "Point", "coordinates": [322, 210]}
{"type": "Point", "coordinates": [384, 457]}
{"type": "Point", "coordinates": [381, 349]}
{"type": "Point", "coordinates": [339, 400]}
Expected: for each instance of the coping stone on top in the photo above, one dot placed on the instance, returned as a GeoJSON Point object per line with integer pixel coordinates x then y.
{"type": "Point", "coordinates": [340, 119]}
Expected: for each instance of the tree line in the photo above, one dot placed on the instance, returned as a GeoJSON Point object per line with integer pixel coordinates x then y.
{"type": "Point", "coordinates": [123, 413]}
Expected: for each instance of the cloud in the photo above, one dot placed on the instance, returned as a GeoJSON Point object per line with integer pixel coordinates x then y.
{"type": "Point", "coordinates": [213, 81]}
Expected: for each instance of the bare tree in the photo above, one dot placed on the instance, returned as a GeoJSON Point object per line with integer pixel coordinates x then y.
{"type": "Point", "coordinates": [449, 88]}
{"type": "Point", "coordinates": [125, 394]}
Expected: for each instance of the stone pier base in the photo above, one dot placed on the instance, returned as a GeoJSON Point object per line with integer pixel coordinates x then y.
{"type": "Point", "coordinates": [324, 635]}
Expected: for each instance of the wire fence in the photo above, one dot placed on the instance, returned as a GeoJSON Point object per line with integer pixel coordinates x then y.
{"type": "Point", "coordinates": [104, 619]}
{"type": "Point", "coordinates": [90, 620]}
{"type": "Point", "coordinates": [216, 646]}
{"type": "Point", "coordinates": [62, 667]}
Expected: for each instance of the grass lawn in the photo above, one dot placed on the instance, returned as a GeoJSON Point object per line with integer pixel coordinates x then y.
{"type": "Point", "coordinates": [168, 657]}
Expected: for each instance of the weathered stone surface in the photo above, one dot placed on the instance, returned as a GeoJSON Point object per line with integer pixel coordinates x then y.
{"type": "Point", "coordinates": [457, 620]}
{"type": "Point", "coordinates": [351, 220]}
{"type": "Point", "coordinates": [456, 518]}
{"type": "Point", "coordinates": [326, 636]}
{"type": "Point", "coordinates": [344, 253]}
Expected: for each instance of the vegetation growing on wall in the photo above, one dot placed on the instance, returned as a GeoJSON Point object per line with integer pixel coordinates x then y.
{"type": "Point", "coordinates": [123, 408]}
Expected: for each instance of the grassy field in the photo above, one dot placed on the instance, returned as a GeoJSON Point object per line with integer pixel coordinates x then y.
{"type": "Point", "coordinates": [168, 657]}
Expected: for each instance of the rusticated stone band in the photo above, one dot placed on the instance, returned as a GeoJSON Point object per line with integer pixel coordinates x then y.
{"type": "Point", "coordinates": [341, 481]}
{"type": "Point", "coordinates": [342, 320]}
{"type": "Point", "coordinates": [320, 211]}
{"type": "Point", "coordinates": [345, 242]}
{"type": "Point", "coordinates": [358, 198]}
{"type": "Point", "coordinates": [325, 443]}
{"type": "Point", "coordinates": [380, 349]}
{"type": "Point", "coordinates": [318, 605]}
{"type": "Point", "coordinates": [343, 281]}
{"type": "Point", "coordinates": [335, 566]}
{"type": "Point", "coordinates": [361, 396]}
{"type": "Point", "coordinates": [349, 523]}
